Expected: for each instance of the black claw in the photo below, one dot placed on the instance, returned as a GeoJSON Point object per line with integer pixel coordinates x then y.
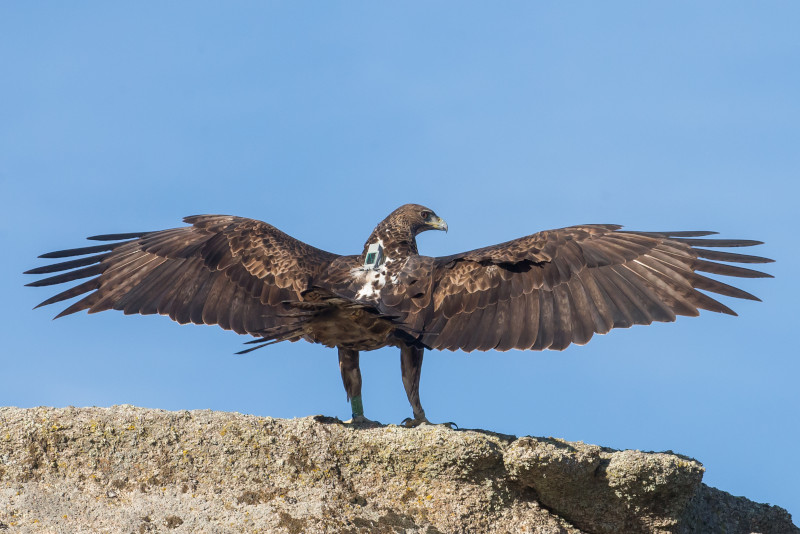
{"type": "Point", "coordinates": [408, 422]}
{"type": "Point", "coordinates": [361, 421]}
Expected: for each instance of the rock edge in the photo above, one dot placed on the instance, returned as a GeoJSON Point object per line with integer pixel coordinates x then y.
{"type": "Point", "coordinates": [129, 469]}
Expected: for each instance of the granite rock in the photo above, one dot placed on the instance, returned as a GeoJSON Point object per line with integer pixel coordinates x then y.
{"type": "Point", "coordinates": [136, 470]}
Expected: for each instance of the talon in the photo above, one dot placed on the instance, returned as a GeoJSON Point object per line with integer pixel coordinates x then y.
{"type": "Point", "coordinates": [361, 421]}
{"type": "Point", "coordinates": [412, 423]}
{"type": "Point", "coordinates": [408, 422]}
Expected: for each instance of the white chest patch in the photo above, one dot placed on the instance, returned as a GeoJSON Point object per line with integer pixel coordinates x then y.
{"type": "Point", "coordinates": [371, 284]}
{"type": "Point", "coordinates": [372, 280]}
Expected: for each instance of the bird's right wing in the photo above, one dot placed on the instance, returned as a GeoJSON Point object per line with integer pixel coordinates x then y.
{"type": "Point", "coordinates": [554, 288]}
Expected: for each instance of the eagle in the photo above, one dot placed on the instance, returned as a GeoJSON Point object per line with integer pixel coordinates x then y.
{"type": "Point", "coordinates": [543, 291]}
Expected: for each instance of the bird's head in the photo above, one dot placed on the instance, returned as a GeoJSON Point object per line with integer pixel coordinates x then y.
{"type": "Point", "coordinates": [397, 233]}
{"type": "Point", "coordinates": [417, 218]}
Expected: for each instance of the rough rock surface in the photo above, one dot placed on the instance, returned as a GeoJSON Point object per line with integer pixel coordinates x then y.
{"type": "Point", "coordinates": [134, 470]}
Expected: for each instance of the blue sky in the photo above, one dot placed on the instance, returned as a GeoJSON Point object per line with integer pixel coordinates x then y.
{"type": "Point", "coordinates": [506, 119]}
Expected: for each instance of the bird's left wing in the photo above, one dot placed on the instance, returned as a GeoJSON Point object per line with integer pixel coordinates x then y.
{"type": "Point", "coordinates": [230, 271]}
{"type": "Point", "coordinates": [558, 287]}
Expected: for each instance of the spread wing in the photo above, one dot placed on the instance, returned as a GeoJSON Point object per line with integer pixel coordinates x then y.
{"type": "Point", "coordinates": [557, 287]}
{"type": "Point", "coordinates": [230, 271]}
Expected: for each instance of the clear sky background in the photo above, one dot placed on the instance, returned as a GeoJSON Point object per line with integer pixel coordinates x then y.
{"type": "Point", "coordinates": [505, 118]}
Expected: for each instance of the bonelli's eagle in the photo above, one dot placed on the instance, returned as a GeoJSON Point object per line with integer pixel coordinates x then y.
{"type": "Point", "coordinates": [543, 291]}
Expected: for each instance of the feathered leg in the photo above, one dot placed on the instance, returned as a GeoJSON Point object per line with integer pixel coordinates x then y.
{"type": "Point", "coordinates": [411, 368]}
{"type": "Point", "coordinates": [351, 378]}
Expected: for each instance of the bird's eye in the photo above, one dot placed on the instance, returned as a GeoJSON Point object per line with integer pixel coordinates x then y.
{"type": "Point", "coordinates": [426, 215]}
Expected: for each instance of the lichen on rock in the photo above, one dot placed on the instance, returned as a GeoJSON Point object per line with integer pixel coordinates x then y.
{"type": "Point", "coordinates": [128, 469]}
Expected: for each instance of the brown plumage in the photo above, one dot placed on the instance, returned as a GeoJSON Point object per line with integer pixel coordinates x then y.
{"type": "Point", "coordinates": [544, 291]}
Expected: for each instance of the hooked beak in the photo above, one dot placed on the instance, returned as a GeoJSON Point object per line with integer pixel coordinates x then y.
{"type": "Point", "coordinates": [437, 223]}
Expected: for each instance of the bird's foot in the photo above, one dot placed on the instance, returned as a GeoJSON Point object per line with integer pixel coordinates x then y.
{"type": "Point", "coordinates": [408, 422]}
{"type": "Point", "coordinates": [362, 422]}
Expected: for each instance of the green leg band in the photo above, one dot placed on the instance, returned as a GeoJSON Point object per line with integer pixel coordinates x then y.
{"type": "Point", "coordinates": [358, 408]}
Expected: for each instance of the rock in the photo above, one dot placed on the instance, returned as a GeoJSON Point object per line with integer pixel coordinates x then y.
{"type": "Point", "coordinates": [631, 491]}
{"type": "Point", "coordinates": [128, 469]}
{"type": "Point", "coordinates": [712, 510]}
